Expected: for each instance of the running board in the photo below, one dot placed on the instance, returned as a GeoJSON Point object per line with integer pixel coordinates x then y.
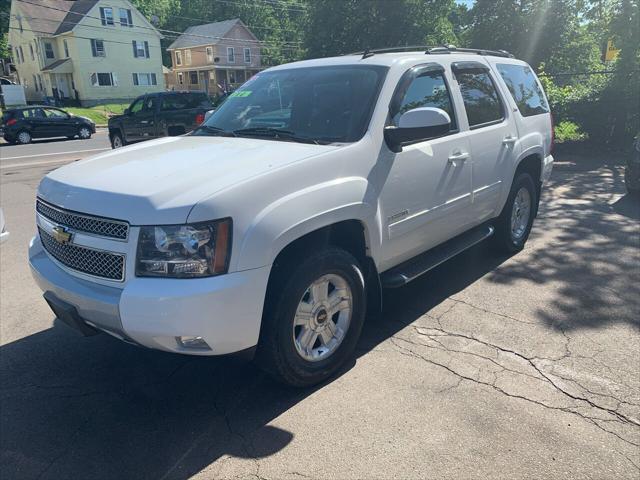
{"type": "Point", "coordinates": [413, 268]}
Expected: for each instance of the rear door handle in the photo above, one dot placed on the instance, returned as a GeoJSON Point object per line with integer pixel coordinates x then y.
{"type": "Point", "coordinates": [458, 157]}
{"type": "Point", "coordinates": [509, 139]}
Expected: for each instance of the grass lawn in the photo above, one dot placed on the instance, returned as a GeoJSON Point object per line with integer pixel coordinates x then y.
{"type": "Point", "coordinates": [101, 113]}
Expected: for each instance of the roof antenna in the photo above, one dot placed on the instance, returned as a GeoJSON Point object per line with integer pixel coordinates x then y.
{"type": "Point", "coordinates": [367, 53]}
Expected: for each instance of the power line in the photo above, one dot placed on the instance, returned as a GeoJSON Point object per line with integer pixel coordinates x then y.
{"type": "Point", "coordinates": [173, 32]}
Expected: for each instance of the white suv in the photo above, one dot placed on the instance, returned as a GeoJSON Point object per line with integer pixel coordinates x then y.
{"type": "Point", "coordinates": [273, 226]}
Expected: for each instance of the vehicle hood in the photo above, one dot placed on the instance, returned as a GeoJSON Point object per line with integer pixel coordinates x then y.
{"type": "Point", "coordinates": [159, 182]}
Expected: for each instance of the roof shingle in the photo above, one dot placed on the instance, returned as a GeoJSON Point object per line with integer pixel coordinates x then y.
{"type": "Point", "coordinates": [208, 34]}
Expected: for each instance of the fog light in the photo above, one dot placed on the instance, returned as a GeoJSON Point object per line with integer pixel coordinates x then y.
{"type": "Point", "coordinates": [192, 343]}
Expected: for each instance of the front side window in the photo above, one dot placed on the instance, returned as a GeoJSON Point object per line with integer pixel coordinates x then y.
{"type": "Point", "coordinates": [524, 89]}
{"type": "Point", "coordinates": [48, 50]}
{"type": "Point", "coordinates": [231, 55]}
{"type": "Point", "coordinates": [97, 48]}
{"type": "Point", "coordinates": [315, 104]}
{"type": "Point", "coordinates": [140, 49]}
{"type": "Point", "coordinates": [247, 55]}
{"type": "Point", "coordinates": [106, 15]}
{"type": "Point", "coordinates": [427, 90]}
{"type": "Point", "coordinates": [136, 106]}
{"type": "Point", "coordinates": [103, 79]}
{"type": "Point", "coordinates": [481, 100]}
{"type": "Point", "coordinates": [144, 79]}
{"type": "Point", "coordinates": [125, 17]}
{"type": "Point", "coordinates": [55, 114]}
{"type": "Point", "coordinates": [178, 57]}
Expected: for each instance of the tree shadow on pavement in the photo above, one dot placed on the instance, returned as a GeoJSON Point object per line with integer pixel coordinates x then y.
{"type": "Point", "coordinates": [592, 260]}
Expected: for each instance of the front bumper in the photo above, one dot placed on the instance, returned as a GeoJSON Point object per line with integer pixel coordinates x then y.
{"type": "Point", "coordinates": [547, 168]}
{"type": "Point", "coordinates": [225, 311]}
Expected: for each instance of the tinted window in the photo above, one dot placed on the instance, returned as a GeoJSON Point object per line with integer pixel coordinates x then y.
{"type": "Point", "coordinates": [137, 106]}
{"type": "Point", "coordinates": [524, 89]}
{"type": "Point", "coordinates": [173, 102]}
{"type": "Point", "coordinates": [428, 90]}
{"type": "Point", "coordinates": [330, 104]}
{"type": "Point", "coordinates": [481, 100]}
{"type": "Point", "coordinates": [53, 113]}
{"type": "Point", "coordinates": [33, 113]}
{"type": "Point", "coordinates": [197, 100]}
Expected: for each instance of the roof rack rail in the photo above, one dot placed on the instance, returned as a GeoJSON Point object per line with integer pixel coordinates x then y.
{"type": "Point", "coordinates": [431, 50]}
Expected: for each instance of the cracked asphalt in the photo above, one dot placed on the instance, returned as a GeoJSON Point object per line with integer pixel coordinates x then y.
{"type": "Point", "coordinates": [488, 367]}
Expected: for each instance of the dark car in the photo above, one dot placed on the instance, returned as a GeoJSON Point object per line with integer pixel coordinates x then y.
{"type": "Point", "coordinates": [21, 125]}
{"type": "Point", "coordinates": [632, 170]}
{"type": "Point", "coordinates": [159, 115]}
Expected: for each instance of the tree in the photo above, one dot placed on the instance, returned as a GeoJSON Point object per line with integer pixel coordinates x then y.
{"type": "Point", "coordinates": [350, 25]}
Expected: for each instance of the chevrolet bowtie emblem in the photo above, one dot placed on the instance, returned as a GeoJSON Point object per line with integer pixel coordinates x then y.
{"type": "Point", "coordinates": [61, 235]}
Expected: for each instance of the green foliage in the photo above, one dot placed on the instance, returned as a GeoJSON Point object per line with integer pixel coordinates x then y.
{"type": "Point", "coordinates": [355, 25]}
{"type": "Point", "coordinates": [99, 114]}
{"type": "Point", "coordinates": [566, 131]}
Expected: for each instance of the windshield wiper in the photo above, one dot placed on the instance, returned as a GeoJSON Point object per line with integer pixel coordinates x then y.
{"type": "Point", "coordinates": [275, 133]}
{"type": "Point", "coordinates": [215, 130]}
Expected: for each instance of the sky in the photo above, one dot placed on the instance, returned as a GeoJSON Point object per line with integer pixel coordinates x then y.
{"type": "Point", "coordinates": [468, 3]}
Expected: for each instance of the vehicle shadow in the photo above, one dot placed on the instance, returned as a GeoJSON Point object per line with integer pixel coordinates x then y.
{"type": "Point", "coordinates": [94, 407]}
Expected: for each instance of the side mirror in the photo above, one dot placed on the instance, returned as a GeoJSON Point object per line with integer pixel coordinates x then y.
{"type": "Point", "coordinates": [415, 125]}
{"type": "Point", "coordinates": [127, 111]}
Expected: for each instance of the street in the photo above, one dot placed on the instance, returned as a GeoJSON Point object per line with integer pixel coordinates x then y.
{"type": "Point", "coordinates": [487, 367]}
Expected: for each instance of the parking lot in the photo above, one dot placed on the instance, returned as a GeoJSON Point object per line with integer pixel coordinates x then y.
{"type": "Point", "coordinates": [503, 367]}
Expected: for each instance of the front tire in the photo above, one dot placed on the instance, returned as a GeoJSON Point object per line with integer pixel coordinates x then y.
{"type": "Point", "coordinates": [313, 322]}
{"type": "Point", "coordinates": [514, 223]}
{"type": "Point", "coordinates": [116, 140]}
{"type": "Point", "coordinates": [84, 133]}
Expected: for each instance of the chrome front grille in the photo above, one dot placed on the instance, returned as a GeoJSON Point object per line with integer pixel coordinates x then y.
{"type": "Point", "coordinates": [102, 227]}
{"type": "Point", "coordinates": [83, 259]}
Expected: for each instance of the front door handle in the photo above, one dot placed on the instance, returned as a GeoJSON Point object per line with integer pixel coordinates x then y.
{"type": "Point", "coordinates": [458, 157]}
{"type": "Point", "coordinates": [509, 140]}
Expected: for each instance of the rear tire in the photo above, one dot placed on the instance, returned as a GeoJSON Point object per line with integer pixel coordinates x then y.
{"type": "Point", "coordinates": [23, 137]}
{"type": "Point", "coordinates": [116, 140]}
{"type": "Point", "coordinates": [313, 321]}
{"type": "Point", "coordinates": [514, 223]}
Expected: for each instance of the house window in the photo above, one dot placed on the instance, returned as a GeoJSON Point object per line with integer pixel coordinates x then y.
{"type": "Point", "coordinates": [20, 24]}
{"type": "Point", "coordinates": [106, 15]}
{"type": "Point", "coordinates": [103, 80]}
{"type": "Point", "coordinates": [35, 83]}
{"type": "Point", "coordinates": [21, 54]}
{"type": "Point", "coordinates": [231, 55]}
{"type": "Point", "coordinates": [97, 48]}
{"type": "Point", "coordinates": [140, 49]}
{"type": "Point", "coordinates": [247, 55]}
{"type": "Point", "coordinates": [33, 57]}
{"type": "Point", "coordinates": [187, 57]}
{"type": "Point", "coordinates": [178, 57]}
{"type": "Point", "coordinates": [40, 82]}
{"type": "Point", "coordinates": [125, 17]}
{"type": "Point", "coordinates": [66, 48]}
{"type": "Point", "coordinates": [193, 78]}
{"type": "Point", "coordinates": [48, 50]}
{"type": "Point", "coordinates": [180, 78]}
{"type": "Point", "coordinates": [210, 54]}
{"type": "Point", "coordinates": [144, 79]}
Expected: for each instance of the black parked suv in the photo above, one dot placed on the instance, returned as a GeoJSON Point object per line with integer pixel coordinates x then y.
{"type": "Point", "coordinates": [21, 125]}
{"type": "Point", "coordinates": [159, 115]}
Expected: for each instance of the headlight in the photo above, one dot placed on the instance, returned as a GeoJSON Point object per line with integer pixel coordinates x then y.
{"type": "Point", "coordinates": [184, 251]}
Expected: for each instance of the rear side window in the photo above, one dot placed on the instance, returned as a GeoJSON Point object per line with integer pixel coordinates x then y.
{"type": "Point", "coordinates": [481, 100]}
{"type": "Point", "coordinates": [427, 90]}
{"type": "Point", "coordinates": [524, 89]}
{"type": "Point", "coordinates": [197, 100]}
{"type": "Point", "coordinates": [173, 102]}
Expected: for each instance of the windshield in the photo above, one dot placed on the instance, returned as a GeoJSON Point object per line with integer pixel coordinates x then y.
{"type": "Point", "coordinates": [319, 104]}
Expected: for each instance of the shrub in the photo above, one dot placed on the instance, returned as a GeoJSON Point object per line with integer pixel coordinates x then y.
{"type": "Point", "coordinates": [566, 131]}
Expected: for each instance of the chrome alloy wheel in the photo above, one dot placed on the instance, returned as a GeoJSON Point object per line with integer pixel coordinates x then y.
{"type": "Point", "coordinates": [322, 317]}
{"type": "Point", "coordinates": [84, 133]}
{"type": "Point", "coordinates": [520, 213]}
{"type": "Point", "coordinates": [24, 138]}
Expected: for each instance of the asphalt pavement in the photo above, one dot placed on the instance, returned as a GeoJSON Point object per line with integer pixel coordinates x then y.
{"type": "Point", "coordinates": [489, 367]}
